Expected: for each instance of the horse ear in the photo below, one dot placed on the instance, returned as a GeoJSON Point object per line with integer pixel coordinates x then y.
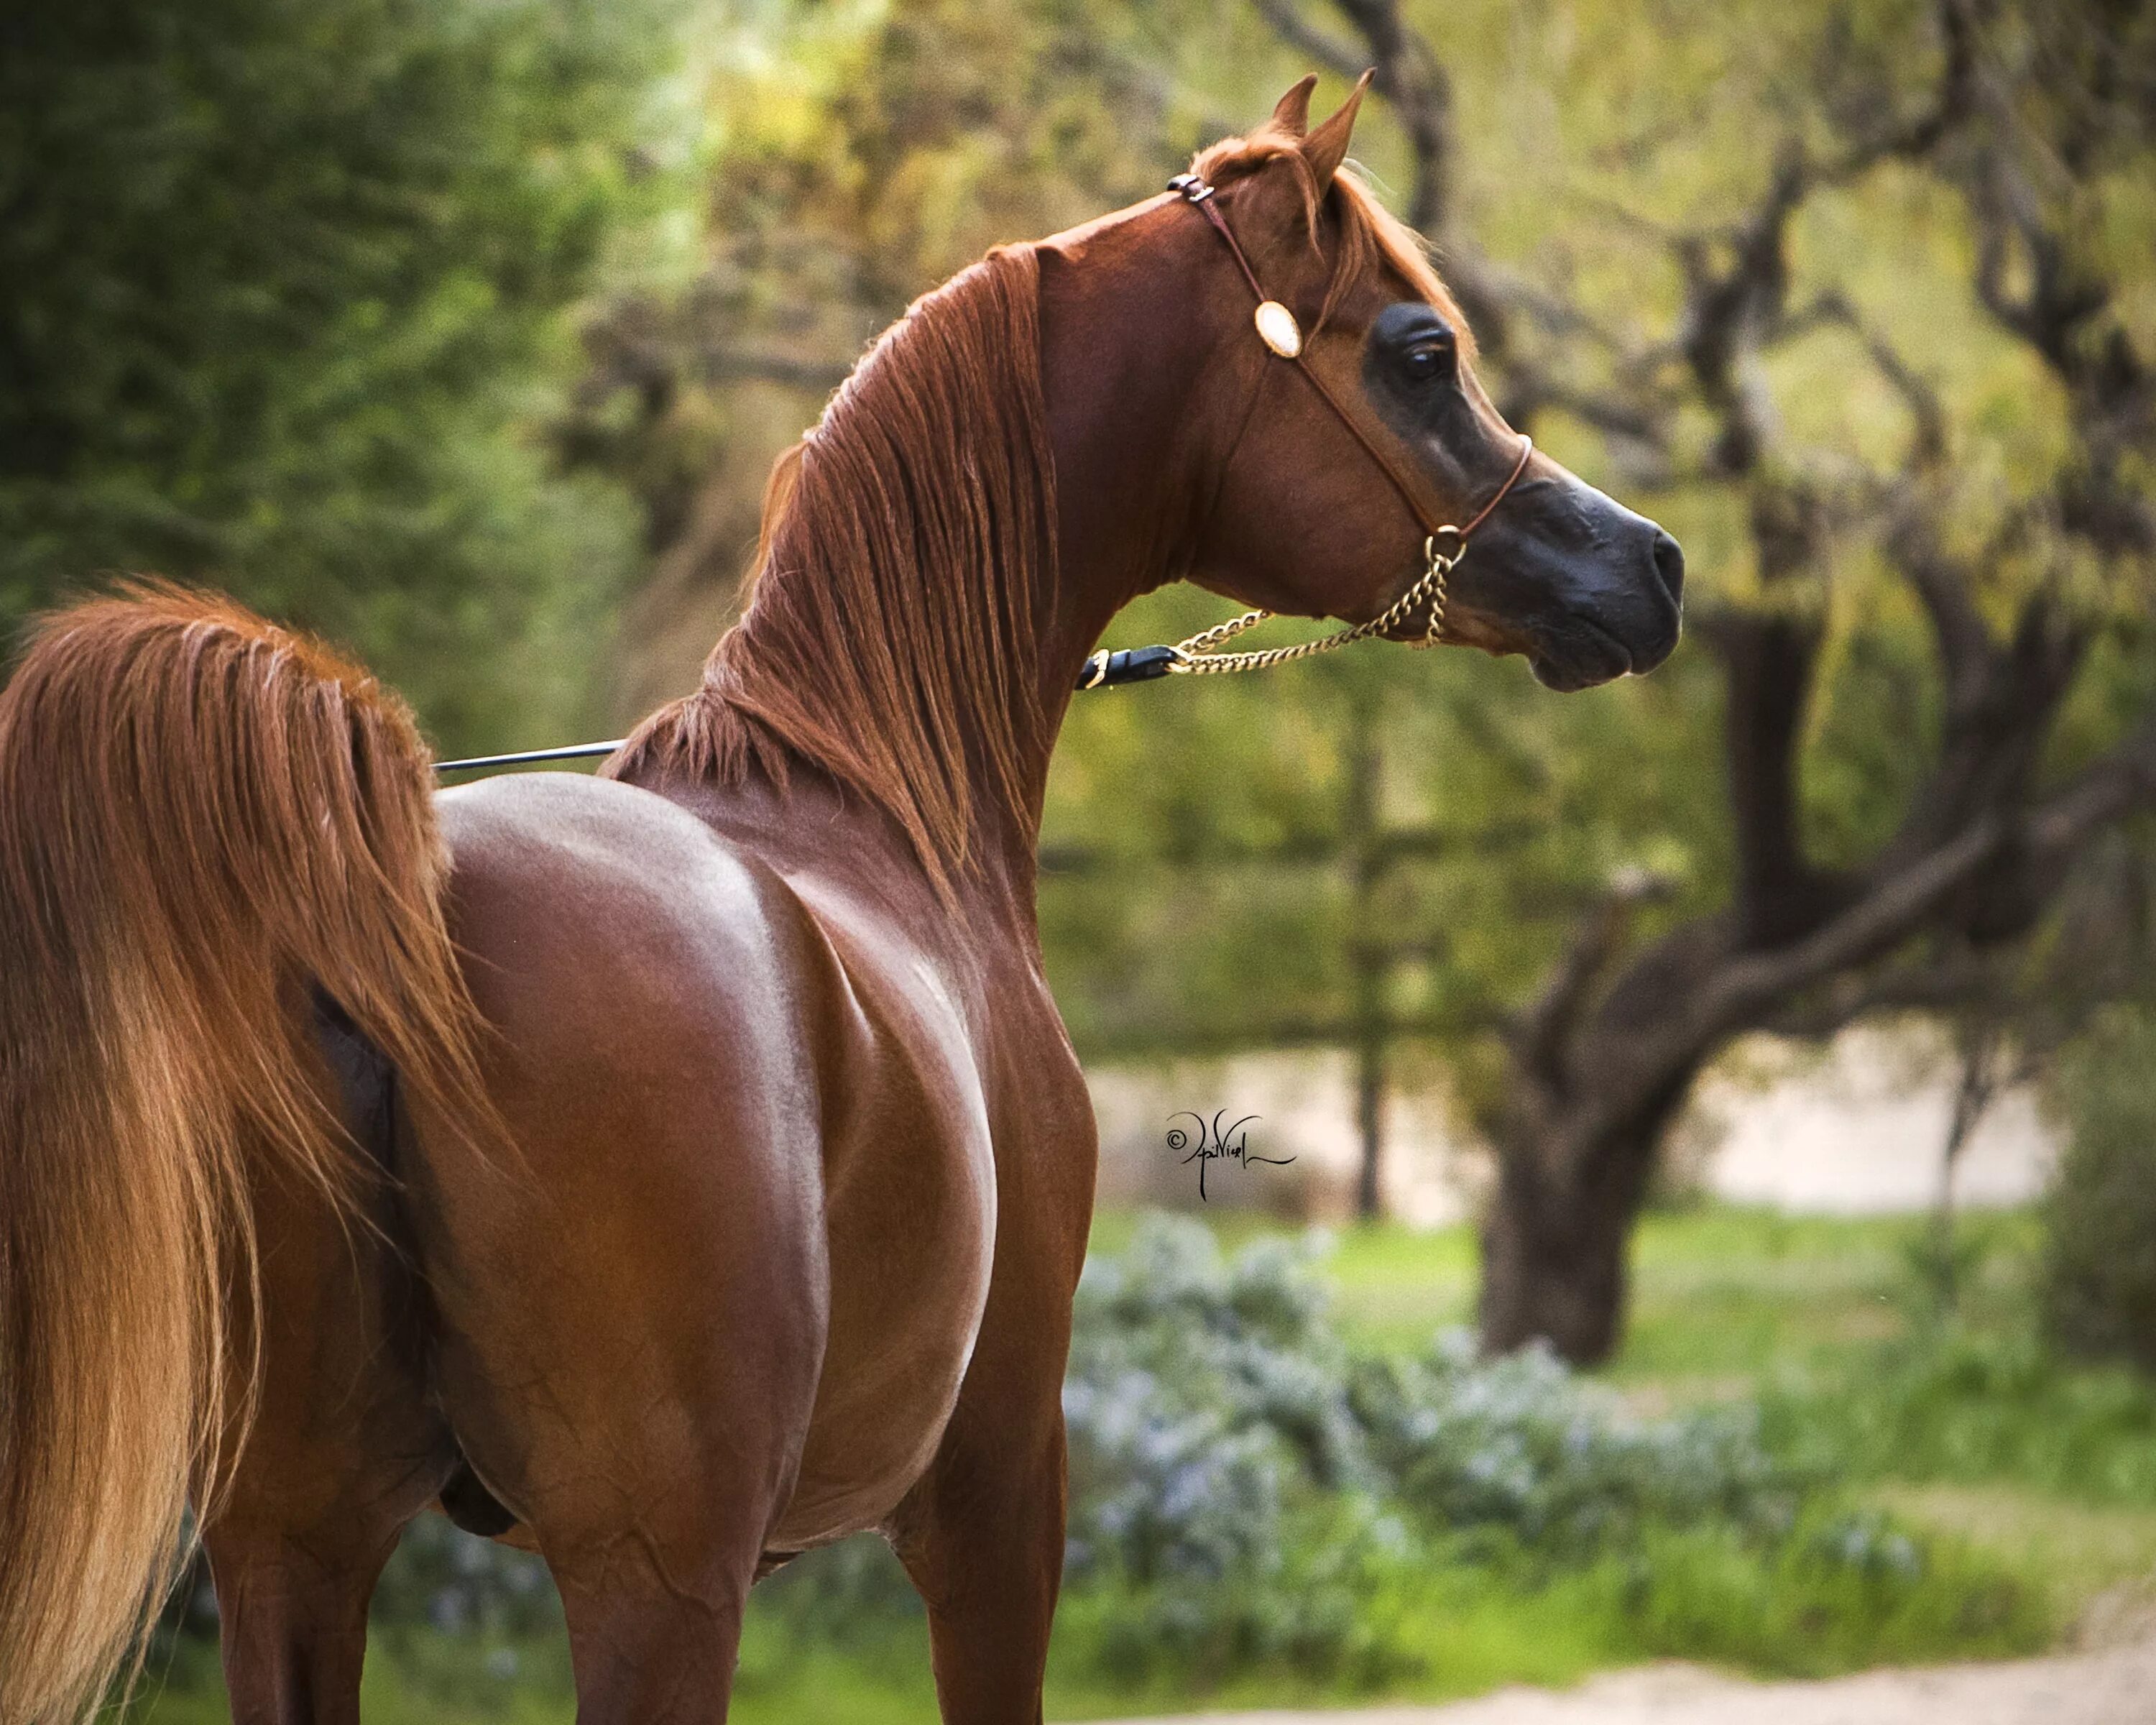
{"type": "Point", "coordinates": [1291, 112]}
{"type": "Point", "coordinates": [1326, 148]}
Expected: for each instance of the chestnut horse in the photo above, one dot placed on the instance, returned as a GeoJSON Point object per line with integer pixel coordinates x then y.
{"type": "Point", "coordinates": [676, 1170]}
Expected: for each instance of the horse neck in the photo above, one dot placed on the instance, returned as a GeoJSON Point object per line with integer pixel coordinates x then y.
{"type": "Point", "coordinates": [1118, 375]}
{"type": "Point", "coordinates": [1122, 363]}
{"type": "Point", "coordinates": [1123, 374]}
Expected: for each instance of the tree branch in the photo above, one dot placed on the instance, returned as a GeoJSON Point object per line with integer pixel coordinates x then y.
{"type": "Point", "coordinates": [1334, 52]}
{"type": "Point", "coordinates": [1539, 1036]}
{"type": "Point", "coordinates": [1412, 80]}
{"type": "Point", "coordinates": [1937, 987]}
{"type": "Point", "coordinates": [1944, 587]}
{"type": "Point", "coordinates": [1749, 988]}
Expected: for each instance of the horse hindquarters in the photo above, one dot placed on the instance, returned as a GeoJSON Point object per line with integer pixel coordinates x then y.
{"type": "Point", "coordinates": [982, 1534]}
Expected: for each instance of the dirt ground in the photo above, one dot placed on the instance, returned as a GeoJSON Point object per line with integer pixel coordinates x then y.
{"type": "Point", "coordinates": [2112, 1686]}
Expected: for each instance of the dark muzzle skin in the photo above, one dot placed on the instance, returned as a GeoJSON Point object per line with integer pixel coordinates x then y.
{"type": "Point", "coordinates": [1592, 590]}
{"type": "Point", "coordinates": [1585, 588]}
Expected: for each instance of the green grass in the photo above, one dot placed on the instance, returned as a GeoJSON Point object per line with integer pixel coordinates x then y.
{"type": "Point", "coordinates": [1729, 1295]}
{"type": "Point", "coordinates": [1962, 1425]}
{"type": "Point", "coordinates": [2037, 1483]}
{"type": "Point", "coordinates": [1429, 1633]}
{"type": "Point", "coordinates": [1717, 1292]}
{"type": "Point", "coordinates": [1835, 1322]}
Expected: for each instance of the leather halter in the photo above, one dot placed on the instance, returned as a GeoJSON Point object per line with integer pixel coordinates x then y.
{"type": "Point", "coordinates": [1278, 329]}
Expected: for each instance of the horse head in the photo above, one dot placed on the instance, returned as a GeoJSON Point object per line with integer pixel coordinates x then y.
{"type": "Point", "coordinates": [1320, 494]}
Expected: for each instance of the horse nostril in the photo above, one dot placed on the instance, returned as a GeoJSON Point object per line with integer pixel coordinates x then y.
{"type": "Point", "coordinates": [1669, 564]}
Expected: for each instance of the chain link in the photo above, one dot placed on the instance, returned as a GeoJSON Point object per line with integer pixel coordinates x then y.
{"type": "Point", "coordinates": [1196, 657]}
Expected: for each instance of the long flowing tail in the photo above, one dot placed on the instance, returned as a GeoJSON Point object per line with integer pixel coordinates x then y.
{"type": "Point", "coordinates": [203, 817]}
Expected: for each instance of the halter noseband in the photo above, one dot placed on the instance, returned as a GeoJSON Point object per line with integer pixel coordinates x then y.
{"type": "Point", "coordinates": [1278, 330]}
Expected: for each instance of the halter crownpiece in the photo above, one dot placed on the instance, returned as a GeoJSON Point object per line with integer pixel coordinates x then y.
{"type": "Point", "coordinates": [1279, 330]}
{"type": "Point", "coordinates": [1276, 326]}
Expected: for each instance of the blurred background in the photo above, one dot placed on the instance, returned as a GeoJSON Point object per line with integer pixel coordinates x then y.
{"type": "Point", "coordinates": [1712, 1203]}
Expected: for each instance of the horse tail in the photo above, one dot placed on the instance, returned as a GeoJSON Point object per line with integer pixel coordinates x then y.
{"type": "Point", "coordinates": [204, 820]}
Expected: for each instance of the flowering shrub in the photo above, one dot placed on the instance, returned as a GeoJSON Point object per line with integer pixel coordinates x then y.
{"type": "Point", "coordinates": [1203, 1395]}
{"type": "Point", "coordinates": [1522, 1445]}
{"type": "Point", "coordinates": [1207, 1395]}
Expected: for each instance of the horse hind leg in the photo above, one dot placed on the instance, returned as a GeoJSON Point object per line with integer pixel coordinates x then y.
{"type": "Point", "coordinates": [293, 1616]}
{"type": "Point", "coordinates": [653, 1499]}
{"type": "Point", "coordinates": [343, 1449]}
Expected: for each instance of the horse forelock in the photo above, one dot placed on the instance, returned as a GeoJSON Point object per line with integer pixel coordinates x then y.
{"type": "Point", "coordinates": [907, 549]}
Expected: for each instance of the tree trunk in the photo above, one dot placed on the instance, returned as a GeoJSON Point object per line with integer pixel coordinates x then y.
{"type": "Point", "coordinates": [1552, 1272]}
{"type": "Point", "coordinates": [1557, 1237]}
{"type": "Point", "coordinates": [1370, 1122]}
{"type": "Point", "coordinates": [1369, 958]}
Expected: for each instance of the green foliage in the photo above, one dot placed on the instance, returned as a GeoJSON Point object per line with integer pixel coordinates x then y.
{"type": "Point", "coordinates": [1843, 1590]}
{"type": "Point", "coordinates": [1201, 886]}
{"type": "Point", "coordinates": [1976, 1406]}
{"type": "Point", "coordinates": [1826, 1326]}
{"type": "Point", "coordinates": [2099, 1284]}
{"type": "Point", "coordinates": [461, 1585]}
{"type": "Point", "coordinates": [282, 298]}
{"type": "Point", "coordinates": [1247, 1495]}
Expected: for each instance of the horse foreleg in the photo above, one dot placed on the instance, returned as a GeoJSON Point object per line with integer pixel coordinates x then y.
{"type": "Point", "coordinates": [981, 1538]}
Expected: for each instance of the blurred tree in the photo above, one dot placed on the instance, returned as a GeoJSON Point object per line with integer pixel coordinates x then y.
{"type": "Point", "coordinates": [1983, 752]}
{"type": "Point", "coordinates": [282, 295]}
{"type": "Point", "coordinates": [860, 157]}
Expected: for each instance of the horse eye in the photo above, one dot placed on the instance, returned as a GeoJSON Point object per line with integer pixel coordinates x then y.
{"type": "Point", "coordinates": [1428, 360]}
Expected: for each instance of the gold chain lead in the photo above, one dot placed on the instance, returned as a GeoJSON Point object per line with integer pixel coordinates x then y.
{"type": "Point", "coordinates": [1196, 656]}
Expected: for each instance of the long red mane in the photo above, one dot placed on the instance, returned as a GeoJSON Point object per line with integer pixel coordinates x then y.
{"type": "Point", "coordinates": [907, 541]}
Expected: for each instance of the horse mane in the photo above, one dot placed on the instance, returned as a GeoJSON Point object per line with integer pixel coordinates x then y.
{"type": "Point", "coordinates": [890, 633]}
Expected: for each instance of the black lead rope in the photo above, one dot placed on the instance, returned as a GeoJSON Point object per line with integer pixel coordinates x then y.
{"type": "Point", "coordinates": [1133, 664]}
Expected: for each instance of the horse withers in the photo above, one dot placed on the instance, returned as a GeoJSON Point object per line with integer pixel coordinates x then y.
{"type": "Point", "coordinates": [677, 1170]}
